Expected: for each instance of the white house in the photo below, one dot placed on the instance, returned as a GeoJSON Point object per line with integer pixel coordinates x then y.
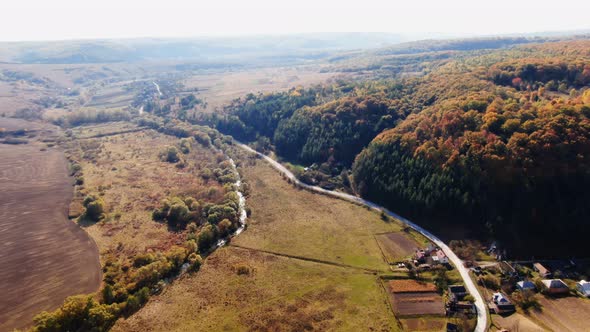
{"type": "Point", "coordinates": [583, 287]}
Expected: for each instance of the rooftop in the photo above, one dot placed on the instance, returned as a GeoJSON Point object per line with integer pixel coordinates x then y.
{"type": "Point", "coordinates": [526, 284]}
{"type": "Point", "coordinates": [539, 267]}
{"type": "Point", "coordinates": [554, 283]}
{"type": "Point", "coordinates": [585, 285]}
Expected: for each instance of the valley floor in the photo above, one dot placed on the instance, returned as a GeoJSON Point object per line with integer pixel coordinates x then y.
{"type": "Point", "coordinates": [305, 261]}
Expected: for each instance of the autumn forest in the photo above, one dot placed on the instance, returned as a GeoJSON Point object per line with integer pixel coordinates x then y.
{"type": "Point", "coordinates": [494, 141]}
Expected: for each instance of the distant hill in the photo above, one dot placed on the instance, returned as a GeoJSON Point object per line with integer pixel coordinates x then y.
{"type": "Point", "coordinates": [223, 48]}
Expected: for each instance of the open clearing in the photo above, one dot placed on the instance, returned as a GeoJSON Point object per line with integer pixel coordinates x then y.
{"type": "Point", "coordinates": [278, 294]}
{"type": "Point", "coordinates": [293, 221]}
{"type": "Point", "coordinates": [44, 256]}
{"type": "Point", "coordinates": [396, 246]}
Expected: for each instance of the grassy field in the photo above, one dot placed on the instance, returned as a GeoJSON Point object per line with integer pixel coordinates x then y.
{"type": "Point", "coordinates": [44, 256]}
{"type": "Point", "coordinates": [297, 222]}
{"type": "Point", "coordinates": [277, 294]}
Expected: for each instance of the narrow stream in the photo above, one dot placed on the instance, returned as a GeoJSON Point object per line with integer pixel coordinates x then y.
{"type": "Point", "coordinates": [243, 215]}
{"type": "Point", "coordinates": [242, 207]}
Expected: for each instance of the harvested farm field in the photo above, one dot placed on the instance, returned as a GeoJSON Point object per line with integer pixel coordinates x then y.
{"type": "Point", "coordinates": [424, 324]}
{"type": "Point", "coordinates": [396, 246]}
{"type": "Point", "coordinates": [407, 304]}
{"type": "Point", "coordinates": [45, 257]}
{"type": "Point", "coordinates": [411, 297]}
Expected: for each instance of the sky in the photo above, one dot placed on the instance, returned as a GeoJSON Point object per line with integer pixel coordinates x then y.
{"type": "Point", "coordinates": [86, 19]}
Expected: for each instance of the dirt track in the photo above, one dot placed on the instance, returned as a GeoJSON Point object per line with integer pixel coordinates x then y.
{"type": "Point", "coordinates": [44, 257]}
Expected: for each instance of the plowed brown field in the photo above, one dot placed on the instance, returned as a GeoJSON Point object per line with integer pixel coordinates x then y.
{"type": "Point", "coordinates": [44, 257]}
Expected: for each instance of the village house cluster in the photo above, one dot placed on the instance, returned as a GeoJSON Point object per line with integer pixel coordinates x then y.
{"type": "Point", "coordinates": [429, 257]}
{"type": "Point", "coordinates": [546, 282]}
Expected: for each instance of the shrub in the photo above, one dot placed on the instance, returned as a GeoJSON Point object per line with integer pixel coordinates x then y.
{"type": "Point", "coordinates": [186, 145]}
{"type": "Point", "coordinates": [206, 238]}
{"type": "Point", "coordinates": [143, 259]}
{"type": "Point", "coordinates": [195, 262]}
{"type": "Point", "coordinates": [176, 257]}
{"type": "Point", "coordinates": [490, 281]}
{"type": "Point", "coordinates": [75, 168]}
{"type": "Point", "coordinates": [243, 270]}
{"type": "Point", "coordinates": [203, 139]}
{"type": "Point", "coordinates": [94, 207]}
{"type": "Point", "coordinates": [170, 154]}
{"type": "Point", "coordinates": [78, 313]}
{"type": "Point", "coordinates": [526, 299]}
{"type": "Point", "coordinates": [225, 227]}
{"type": "Point", "coordinates": [178, 212]}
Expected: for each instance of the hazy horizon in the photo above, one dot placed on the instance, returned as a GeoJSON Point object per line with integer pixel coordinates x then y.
{"type": "Point", "coordinates": [62, 20]}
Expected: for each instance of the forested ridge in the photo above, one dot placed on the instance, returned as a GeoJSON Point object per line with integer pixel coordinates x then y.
{"type": "Point", "coordinates": [497, 141]}
{"type": "Point", "coordinates": [505, 148]}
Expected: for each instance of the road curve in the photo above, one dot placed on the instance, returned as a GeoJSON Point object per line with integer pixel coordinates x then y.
{"type": "Point", "coordinates": [482, 318]}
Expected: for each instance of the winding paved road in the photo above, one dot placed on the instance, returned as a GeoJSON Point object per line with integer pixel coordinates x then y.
{"type": "Point", "coordinates": [482, 318]}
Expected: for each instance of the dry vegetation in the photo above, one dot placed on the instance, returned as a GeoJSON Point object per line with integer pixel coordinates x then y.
{"type": "Point", "coordinates": [127, 172]}
{"type": "Point", "coordinates": [220, 88]}
{"type": "Point", "coordinates": [297, 222]}
{"type": "Point", "coordinates": [303, 263]}
{"type": "Point", "coordinates": [276, 294]}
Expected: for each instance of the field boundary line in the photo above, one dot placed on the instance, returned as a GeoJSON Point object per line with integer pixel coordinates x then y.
{"type": "Point", "coordinates": [382, 252]}
{"type": "Point", "coordinates": [389, 301]}
{"type": "Point", "coordinates": [308, 259]}
{"type": "Point", "coordinates": [115, 133]}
